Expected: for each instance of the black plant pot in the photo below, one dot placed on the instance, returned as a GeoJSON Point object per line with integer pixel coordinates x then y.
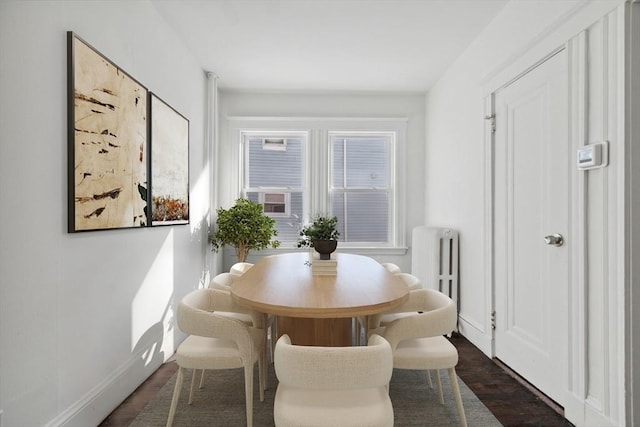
{"type": "Point", "coordinates": [325, 247]}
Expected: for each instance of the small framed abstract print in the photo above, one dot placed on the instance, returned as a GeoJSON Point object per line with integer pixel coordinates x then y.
{"type": "Point", "coordinates": [169, 172]}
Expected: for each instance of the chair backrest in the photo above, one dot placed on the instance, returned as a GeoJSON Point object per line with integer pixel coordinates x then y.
{"type": "Point", "coordinates": [239, 268]}
{"type": "Point", "coordinates": [196, 316]}
{"type": "Point", "coordinates": [334, 368]}
{"type": "Point", "coordinates": [391, 267]}
{"type": "Point", "coordinates": [435, 314]}
{"type": "Point", "coordinates": [413, 282]}
{"type": "Point", "coordinates": [222, 281]}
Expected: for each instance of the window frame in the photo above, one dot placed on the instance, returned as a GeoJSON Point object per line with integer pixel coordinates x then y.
{"type": "Point", "coordinates": [247, 134]}
{"type": "Point", "coordinates": [317, 158]}
{"type": "Point", "coordinates": [389, 190]}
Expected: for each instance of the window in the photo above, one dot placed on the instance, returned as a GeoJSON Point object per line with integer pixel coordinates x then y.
{"type": "Point", "coordinates": [360, 186]}
{"type": "Point", "coordinates": [341, 167]}
{"type": "Point", "coordinates": [274, 174]}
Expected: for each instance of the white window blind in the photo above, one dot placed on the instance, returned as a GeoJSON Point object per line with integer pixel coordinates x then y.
{"type": "Point", "coordinates": [360, 191]}
{"type": "Point", "coordinates": [275, 178]}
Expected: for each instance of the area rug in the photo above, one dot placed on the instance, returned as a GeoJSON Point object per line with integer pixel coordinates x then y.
{"type": "Point", "coordinates": [221, 402]}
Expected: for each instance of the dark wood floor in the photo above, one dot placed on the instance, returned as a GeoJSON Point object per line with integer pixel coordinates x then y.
{"type": "Point", "coordinates": [512, 403]}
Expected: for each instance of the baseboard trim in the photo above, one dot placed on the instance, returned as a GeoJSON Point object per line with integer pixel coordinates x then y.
{"type": "Point", "coordinates": [581, 413]}
{"type": "Point", "coordinates": [474, 333]}
{"type": "Point", "coordinates": [101, 400]}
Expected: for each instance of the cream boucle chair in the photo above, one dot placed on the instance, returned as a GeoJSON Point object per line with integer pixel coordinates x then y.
{"type": "Point", "coordinates": [222, 281]}
{"type": "Point", "coordinates": [417, 340]}
{"type": "Point", "coordinates": [225, 280]}
{"type": "Point", "coordinates": [217, 342]}
{"type": "Point", "coordinates": [383, 319]}
{"type": "Point", "coordinates": [239, 268]}
{"type": "Point", "coordinates": [333, 386]}
{"type": "Point", "coordinates": [413, 282]}
{"type": "Point", "coordinates": [391, 267]}
{"type": "Point", "coordinates": [377, 320]}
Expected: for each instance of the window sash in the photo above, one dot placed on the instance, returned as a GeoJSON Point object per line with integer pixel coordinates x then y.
{"type": "Point", "coordinates": [371, 178]}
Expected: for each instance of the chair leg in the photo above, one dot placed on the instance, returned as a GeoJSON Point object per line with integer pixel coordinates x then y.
{"type": "Point", "coordinates": [429, 381]}
{"type": "Point", "coordinates": [366, 330]}
{"type": "Point", "coordinates": [456, 392]}
{"type": "Point", "coordinates": [193, 386]}
{"type": "Point", "coordinates": [262, 377]}
{"type": "Point", "coordinates": [356, 329]}
{"type": "Point", "coordinates": [439, 386]}
{"type": "Point", "coordinates": [248, 392]}
{"type": "Point", "coordinates": [263, 359]}
{"type": "Point", "coordinates": [201, 385]}
{"type": "Point", "coordinates": [176, 396]}
{"type": "Point", "coordinates": [274, 335]}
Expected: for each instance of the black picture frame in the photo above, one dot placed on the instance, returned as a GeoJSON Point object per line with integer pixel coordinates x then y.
{"type": "Point", "coordinates": [168, 165]}
{"type": "Point", "coordinates": [107, 142]}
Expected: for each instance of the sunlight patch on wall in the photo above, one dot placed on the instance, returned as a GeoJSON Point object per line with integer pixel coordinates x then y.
{"type": "Point", "coordinates": [151, 308]}
{"type": "Point", "coordinates": [200, 201]}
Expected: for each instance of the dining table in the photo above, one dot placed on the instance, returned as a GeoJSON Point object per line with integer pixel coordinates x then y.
{"type": "Point", "coordinates": [312, 306]}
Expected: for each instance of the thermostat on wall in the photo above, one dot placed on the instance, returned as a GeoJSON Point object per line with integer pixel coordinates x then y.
{"type": "Point", "coordinates": [593, 155]}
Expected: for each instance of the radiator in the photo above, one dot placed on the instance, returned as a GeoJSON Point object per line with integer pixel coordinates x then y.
{"type": "Point", "coordinates": [434, 259]}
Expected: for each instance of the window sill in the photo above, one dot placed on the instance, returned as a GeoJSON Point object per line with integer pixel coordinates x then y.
{"type": "Point", "coordinates": [352, 250]}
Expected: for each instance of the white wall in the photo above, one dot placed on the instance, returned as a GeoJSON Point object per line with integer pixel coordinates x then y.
{"type": "Point", "coordinates": [459, 166]}
{"type": "Point", "coordinates": [328, 105]}
{"type": "Point", "coordinates": [85, 317]}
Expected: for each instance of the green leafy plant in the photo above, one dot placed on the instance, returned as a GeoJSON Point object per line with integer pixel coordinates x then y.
{"type": "Point", "coordinates": [245, 227]}
{"type": "Point", "coordinates": [321, 228]}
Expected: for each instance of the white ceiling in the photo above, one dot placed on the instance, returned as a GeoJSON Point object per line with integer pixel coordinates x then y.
{"type": "Point", "coordinates": [328, 45]}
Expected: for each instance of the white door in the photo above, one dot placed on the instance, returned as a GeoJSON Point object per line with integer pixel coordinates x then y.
{"type": "Point", "coordinates": [531, 181]}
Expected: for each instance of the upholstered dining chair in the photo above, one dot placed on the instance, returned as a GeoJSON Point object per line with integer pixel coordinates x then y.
{"type": "Point", "coordinates": [222, 281]}
{"type": "Point", "coordinates": [239, 268]}
{"type": "Point", "coordinates": [225, 280]}
{"type": "Point", "coordinates": [333, 386]}
{"type": "Point", "coordinates": [391, 267]}
{"type": "Point", "coordinates": [383, 319]}
{"type": "Point", "coordinates": [412, 282]}
{"type": "Point", "coordinates": [217, 342]}
{"type": "Point", "coordinates": [417, 339]}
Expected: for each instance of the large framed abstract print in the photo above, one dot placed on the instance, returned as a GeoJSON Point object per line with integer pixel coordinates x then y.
{"type": "Point", "coordinates": [108, 128]}
{"type": "Point", "coordinates": [169, 174]}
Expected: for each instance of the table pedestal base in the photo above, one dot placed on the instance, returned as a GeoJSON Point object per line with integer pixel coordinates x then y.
{"type": "Point", "coordinates": [321, 332]}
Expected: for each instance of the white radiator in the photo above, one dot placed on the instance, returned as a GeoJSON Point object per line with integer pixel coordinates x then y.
{"type": "Point", "coordinates": [434, 259]}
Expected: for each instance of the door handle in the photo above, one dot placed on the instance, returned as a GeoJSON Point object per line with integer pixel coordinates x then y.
{"type": "Point", "coordinates": [554, 239]}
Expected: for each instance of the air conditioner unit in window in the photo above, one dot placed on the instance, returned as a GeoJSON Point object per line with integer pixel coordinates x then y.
{"type": "Point", "coordinates": [434, 259]}
{"type": "Point", "coordinates": [274, 144]}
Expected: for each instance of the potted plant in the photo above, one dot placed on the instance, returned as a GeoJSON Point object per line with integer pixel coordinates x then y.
{"type": "Point", "coordinates": [321, 234]}
{"type": "Point", "coordinates": [245, 227]}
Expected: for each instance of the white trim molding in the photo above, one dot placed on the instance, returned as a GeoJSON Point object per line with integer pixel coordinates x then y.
{"type": "Point", "coordinates": [631, 225]}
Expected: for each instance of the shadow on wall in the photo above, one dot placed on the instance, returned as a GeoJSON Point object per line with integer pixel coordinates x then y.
{"type": "Point", "coordinates": [149, 347]}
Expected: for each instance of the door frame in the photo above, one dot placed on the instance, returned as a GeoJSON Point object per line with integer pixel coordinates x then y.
{"type": "Point", "coordinates": [561, 355]}
{"type": "Point", "coordinates": [489, 181]}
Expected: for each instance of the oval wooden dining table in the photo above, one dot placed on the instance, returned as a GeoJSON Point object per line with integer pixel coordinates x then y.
{"type": "Point", "coordinates": [318, 309]}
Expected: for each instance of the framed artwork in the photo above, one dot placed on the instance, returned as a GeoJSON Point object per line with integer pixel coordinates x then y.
{"type": "Point", "coordinates": [107, 140]}
{"type": "Point", "coordinates": [169, 172]}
